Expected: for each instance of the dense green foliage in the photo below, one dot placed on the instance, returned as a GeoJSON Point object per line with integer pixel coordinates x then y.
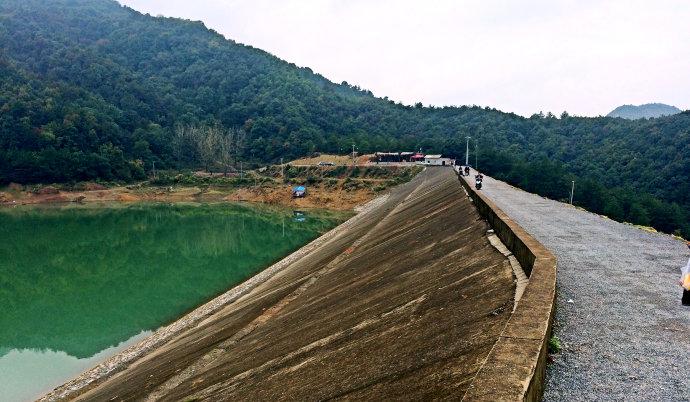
{"type": "Point", "coordinates": [90, 89]}
{"type": "Point", "coordinates": [622, 203]}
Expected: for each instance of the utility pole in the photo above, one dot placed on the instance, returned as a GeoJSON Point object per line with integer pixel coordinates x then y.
{"type": "Point", "coordinates": [572, 192]}
{"type": "Point", "coordinates": [282, 169]}
{"type": "Point", "coordinates": [353, 154]}
{"type": "Point", "coordinates": [476, 152]}
{"type": "Point", "coordinates": [241, 173]}
{"type": "Point", "coordinates": [154, 169]}
{"type": "Point", "coordinates": [467, 152]}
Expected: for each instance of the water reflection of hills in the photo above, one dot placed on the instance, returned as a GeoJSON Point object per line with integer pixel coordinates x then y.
{"type": "Point", "coordinates": [27, 374]}
{"type": "Point", "coordinates": [80, 280]}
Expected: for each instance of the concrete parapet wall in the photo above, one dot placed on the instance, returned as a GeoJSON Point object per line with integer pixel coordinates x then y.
{"type": "Point", "coordinates": [515, 367]}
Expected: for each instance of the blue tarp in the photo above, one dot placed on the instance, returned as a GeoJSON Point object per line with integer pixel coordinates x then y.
{"type": "Point", "coordinates": [299, 188]}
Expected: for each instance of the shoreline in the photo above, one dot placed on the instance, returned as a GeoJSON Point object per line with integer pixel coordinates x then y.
{"type": "Point", "coordinates": [328, 187]}
{"type": "Point", "coordinates": [120, 361]}
{"type": "Point", "coordinates": [319, 197]}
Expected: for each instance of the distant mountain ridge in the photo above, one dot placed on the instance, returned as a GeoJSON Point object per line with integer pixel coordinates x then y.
{"type": "Point", "coordinates": [647, 111]}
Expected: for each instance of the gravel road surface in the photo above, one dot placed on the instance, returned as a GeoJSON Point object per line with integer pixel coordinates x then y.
{"type": "Point", "coordinates": [618, 315]}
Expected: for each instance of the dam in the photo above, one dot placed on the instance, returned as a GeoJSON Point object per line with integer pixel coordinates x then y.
{"type": "Point", "coordinates": [409, 300]}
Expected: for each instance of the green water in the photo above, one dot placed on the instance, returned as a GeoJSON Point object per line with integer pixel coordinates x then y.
{"type": "Point", "coordinates": [79, 284]}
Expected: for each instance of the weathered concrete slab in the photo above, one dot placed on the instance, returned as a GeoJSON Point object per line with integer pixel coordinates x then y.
{"type": "Point", "coordinates": [407, 304]}
{"type": "Point", "coordinates": [507, 372]}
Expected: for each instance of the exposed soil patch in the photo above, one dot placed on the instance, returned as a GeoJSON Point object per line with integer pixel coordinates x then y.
{"type": "Point", "coordinates": [329, 187]}
{"type": "Point", "coordinates": [318, 197]}
{"type": "Point", "coordinates": [335, 159]}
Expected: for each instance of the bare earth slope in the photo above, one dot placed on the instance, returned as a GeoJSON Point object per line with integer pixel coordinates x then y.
{"type": "Point", "coordinates": [406, 304]}
{"type": "Point", "coordinates": [626, 335]}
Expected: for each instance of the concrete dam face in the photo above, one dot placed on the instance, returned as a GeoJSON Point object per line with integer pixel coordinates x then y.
{"type": "Point", "coordinates": [406, 302]}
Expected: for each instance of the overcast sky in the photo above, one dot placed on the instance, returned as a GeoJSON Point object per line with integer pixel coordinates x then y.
{"type": "Point", "coordinates": [585, 56]}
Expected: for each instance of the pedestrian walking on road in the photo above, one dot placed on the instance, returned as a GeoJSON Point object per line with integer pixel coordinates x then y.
{"type": "Point", "coordinates": [685, 282]}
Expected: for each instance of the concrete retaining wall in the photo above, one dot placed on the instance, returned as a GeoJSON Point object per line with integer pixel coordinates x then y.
{"type": "Point", "coordinates": [515, 368]}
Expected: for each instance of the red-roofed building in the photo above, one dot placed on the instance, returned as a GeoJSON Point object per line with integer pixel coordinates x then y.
{"type": "Point", "coordinates": [418, 157]}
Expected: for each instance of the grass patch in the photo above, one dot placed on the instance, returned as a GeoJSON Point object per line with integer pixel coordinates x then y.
{"type": "Point", "coordinates": [555, 345]}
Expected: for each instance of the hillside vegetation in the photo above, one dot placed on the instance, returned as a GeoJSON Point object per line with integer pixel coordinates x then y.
{"type": "Point", "coordinates": [93, 90]}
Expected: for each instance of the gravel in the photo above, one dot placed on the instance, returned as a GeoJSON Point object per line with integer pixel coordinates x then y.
{"type": "Point", "coordinates": [624, 333]}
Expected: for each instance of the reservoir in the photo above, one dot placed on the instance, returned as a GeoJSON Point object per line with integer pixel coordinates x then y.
{"type": "Point", "coordinates": [80, 283]}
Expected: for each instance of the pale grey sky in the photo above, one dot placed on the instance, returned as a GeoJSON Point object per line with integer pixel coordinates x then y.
{"type": "Point", "coordinates": [586, 57]}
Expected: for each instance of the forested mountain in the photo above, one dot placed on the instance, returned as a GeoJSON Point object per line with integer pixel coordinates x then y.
{"type": "Point", "coordinates": [93, 90]}
{"type": "Point", "coordinates": [648, 111]}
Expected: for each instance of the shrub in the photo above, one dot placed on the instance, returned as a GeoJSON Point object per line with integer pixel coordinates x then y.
{"type": "Point", "coordinates": [554, 345]}
{"type": "Point", "coordinates": [313, 179]}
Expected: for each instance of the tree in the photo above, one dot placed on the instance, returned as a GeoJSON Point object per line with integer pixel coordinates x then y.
{"type": "Point", "coordinates": [213, 144]}
{"type": "Point", "coordinates": [208, 140]}
{"type": "Point", "coordinates": [226, 149]}
{"type": "Point", "coordinates": [204, 139]}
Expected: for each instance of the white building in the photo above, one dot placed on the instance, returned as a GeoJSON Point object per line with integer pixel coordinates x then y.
{"type": "Point", "coordinates": [438, 160]}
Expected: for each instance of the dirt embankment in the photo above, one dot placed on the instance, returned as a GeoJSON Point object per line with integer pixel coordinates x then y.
{"type": "Point", "coordinates": [318, 197]}
{"type": "Point", "coordinates": [329, 187]}
{"type": "Point", "coordinates": [404, 304]}
{"type": "Point", "coordinates": [335, 159]}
